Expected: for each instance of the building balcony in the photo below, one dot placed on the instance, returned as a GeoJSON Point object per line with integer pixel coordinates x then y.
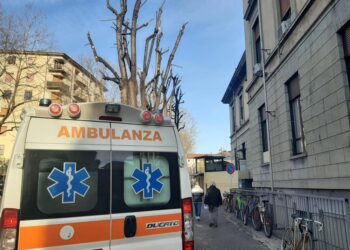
{"type": "Point", "coordinates": [57, 86]}
{"type": "Point", "coordinates": [80, 82]}
{"type": "Point", "coordinates": [58, 69]}
{"type": "Point", "coordinates": [80, 98]}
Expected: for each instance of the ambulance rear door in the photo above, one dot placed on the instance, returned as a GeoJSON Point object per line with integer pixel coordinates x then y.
{"type": "Point", "coordinates": [65, 201]}
{"type": "Point", "coordinates": [146, 197]}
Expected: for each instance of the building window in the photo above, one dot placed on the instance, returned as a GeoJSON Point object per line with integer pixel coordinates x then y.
{"type": "Point", "coordinates": [244, 151]}
{"type": "Point", "coordinates": [285, 11]}
{"type": "Point", "coordinates": [30, 77]}
{"type": "Point", "coordinates": [2, 150]}
{"type": "Point", "coordinates": [214, 165]}
{"type": "Point", "coordinates": [256, 39]}
{"type": "Point", "coordinates": [9, 77]}
{"type": "Point", "coordinates": [241, 109]}
{"type": "Point", "coordinates": [346, 42]}
{"type": "Point", "coordinates": [7, 94]}
{"type": "Point", "coordinates": [263, 126]}
{"type": "Point", "coordinates": [295, 114]}
{"type": "Point", "coordinates": [28, 95]}
{"type": "Point", "coordinates": [58, 64]}
{"type": "Point", "coordinates": [11, 60]}
{"type": "Point", "coordinates": [233, 116]}
{"type": "Point", "coordinates": [2, 130]}
{"type": "Point", "coordinates": [3, 111]}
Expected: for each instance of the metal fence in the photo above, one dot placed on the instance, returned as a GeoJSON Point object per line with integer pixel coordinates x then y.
{"type": "Point", "coordinates": [332, 212]}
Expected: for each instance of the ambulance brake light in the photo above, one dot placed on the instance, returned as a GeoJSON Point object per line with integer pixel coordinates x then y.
{"type": "Point", "coordinates": [146, 116]}
{"type": "Point", "coordinates": [187, 232]}
{"type": "Point", "coordinates": [9, 227]}
{"type": "Point", "coordinates": [159, 118]}
{"type": "Point", "coordinates": [55, 110]}
{"type": "Point", "coordinates": [74, 110]}
{"type": "Point", "coordinates": [9, 218]}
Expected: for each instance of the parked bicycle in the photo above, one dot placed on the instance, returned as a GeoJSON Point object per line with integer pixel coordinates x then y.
{"type": "Point", "coordinates": [228, 202]}
{"type": "Point", "coordinates": [250, 208]}
{"type": "Point", "coordinates": [300, 236]}
{"type": "Point", "coordinates": [240, 205]}
{"type": "Point", "coordinates": [262, 216]}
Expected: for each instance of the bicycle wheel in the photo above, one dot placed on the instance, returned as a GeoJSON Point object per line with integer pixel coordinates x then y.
{"type": "Point", "coordinates": [287, 239]}
{"type": "Point", "coordinates": [230, 204]}
{"type": "Point", "coordinates": [237, 210]}
{"type": "Point", "coordinates": [225, 204]}
{"type": "Point", "coordinates": [268, 224]}
{"type": "Point", "coordinates": [246, 215]}
{"type": "Point", "coordinates": [308, 241]}
{"type": "Point", "coordinates": [256, 219]}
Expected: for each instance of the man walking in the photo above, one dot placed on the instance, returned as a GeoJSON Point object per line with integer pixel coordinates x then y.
{"type": "Point", "coordinates": [213, 199]}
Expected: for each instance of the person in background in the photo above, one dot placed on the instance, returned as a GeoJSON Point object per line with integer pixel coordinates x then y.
{"type": "Point", "coordinates": [213, 199]}
{"type": "Point", "coordinates": [197, 194]}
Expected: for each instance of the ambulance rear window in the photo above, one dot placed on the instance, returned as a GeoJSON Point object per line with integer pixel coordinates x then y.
{"type": "Point", "coordinates": [59, 183]}
{"type": "Point", "coordinates": [145, 181]}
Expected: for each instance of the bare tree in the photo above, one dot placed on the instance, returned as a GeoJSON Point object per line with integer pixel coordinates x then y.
{"type": "Point", "coordinates": [139, 88]}
{"type": "Point", "coordinates": [188, 135]}
{"type": "Point", "coordinates": [177, 113]}
{"type": "Point", "coordinates": [18, 68]}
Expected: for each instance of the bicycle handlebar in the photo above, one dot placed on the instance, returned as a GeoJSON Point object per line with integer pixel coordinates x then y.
{"type": "Point", "coordinates": [301, 220]}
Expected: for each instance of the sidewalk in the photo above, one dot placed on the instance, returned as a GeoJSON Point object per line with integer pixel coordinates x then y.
{"type": "Point", "coordinates": [227, 236]}
{"type": "Point", "coordinates": [272, 243]}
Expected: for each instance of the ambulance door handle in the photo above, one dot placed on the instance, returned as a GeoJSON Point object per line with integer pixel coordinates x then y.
{"type": "Point", "coordinates": [130, 226]}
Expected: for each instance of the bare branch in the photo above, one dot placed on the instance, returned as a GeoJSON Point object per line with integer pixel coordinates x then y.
{"type": "Point", "coordinates": [142, 26]}
{"type": "Point", "coordinates": [100, 59]}
{"type": "Point", "coordinates": [113, 10]}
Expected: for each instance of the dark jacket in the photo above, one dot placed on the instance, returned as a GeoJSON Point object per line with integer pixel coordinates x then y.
{"type": "Point", "coordinates": [197, 197]}
{"type": "Point", "coordinates": [213, 197]}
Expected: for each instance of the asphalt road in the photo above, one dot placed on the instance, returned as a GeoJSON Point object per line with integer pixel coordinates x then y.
{"type": "Point", "coordinates": [226, 236]}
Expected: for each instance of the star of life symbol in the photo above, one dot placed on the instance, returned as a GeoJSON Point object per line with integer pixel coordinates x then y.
{"type": "Point", "coordinates": [68, 182]}
{"type": "Point", "coordinates": [147, 181]}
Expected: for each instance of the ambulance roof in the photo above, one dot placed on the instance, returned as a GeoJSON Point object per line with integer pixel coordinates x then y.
{"type": "Point", "coordinates": [97, 112]}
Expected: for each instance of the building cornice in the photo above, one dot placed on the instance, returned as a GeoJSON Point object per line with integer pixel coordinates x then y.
{"type": "Point", "coordinates": [238, 76]}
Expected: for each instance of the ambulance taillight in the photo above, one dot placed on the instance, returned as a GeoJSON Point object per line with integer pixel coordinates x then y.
{"type": "Point", "coordinates": [146, 116]}
{"type": "Point", "coordinates": [9, 227]}
{"type": "Point", "coordinates": [55, 110]}
{"type": "Point", "coordinates": [73, 110]}
{"type": "Point", "coordinates": [187, 234]}
{"type": "Point", "coordinates": [159, 118]}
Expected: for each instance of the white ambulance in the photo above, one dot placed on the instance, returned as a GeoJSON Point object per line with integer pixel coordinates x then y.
{"type": "Point", "coordinates": [96, 176]}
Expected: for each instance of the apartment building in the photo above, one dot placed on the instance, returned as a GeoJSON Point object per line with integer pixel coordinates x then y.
{"type": "Point", "coordinates": [26, 77]}
{"type": "Point", "coordinates": [297, 85]}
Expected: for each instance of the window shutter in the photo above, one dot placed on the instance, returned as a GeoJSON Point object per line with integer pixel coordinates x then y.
{"type": "Point", "coordinates": [346, 39]}
{"type": "Point", "coordinates": [284, 7]}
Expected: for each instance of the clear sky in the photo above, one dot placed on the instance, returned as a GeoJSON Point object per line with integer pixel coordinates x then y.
{"type": "Point", "coordinates": [208, 53]}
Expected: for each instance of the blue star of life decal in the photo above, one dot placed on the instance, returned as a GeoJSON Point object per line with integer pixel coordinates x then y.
{"type": "Point", "coordinates": [147, 181]}
{"type": "Point", "coordinates": [68, 182]}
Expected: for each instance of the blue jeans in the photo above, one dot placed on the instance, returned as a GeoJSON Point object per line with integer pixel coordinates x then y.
{"type": "Point", "coordinates": [197, 208]}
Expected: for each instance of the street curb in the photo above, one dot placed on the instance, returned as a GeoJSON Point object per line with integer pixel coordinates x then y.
{"type": "Point", "coordinates": [272, 243]}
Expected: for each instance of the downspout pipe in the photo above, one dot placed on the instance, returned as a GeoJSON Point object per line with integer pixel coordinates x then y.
{"type": "Point", "coordinates": [265, 93]}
